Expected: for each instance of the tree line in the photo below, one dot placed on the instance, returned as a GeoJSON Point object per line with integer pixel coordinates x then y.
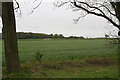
{"type": "Point", "coordinates": [30, 35]}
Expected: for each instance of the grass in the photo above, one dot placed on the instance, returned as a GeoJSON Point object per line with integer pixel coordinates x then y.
{"type": "Point", "coordinates": [67, 59]}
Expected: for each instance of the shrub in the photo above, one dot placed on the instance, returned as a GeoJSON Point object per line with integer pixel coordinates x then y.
{"type": "Point", "coordinates": [38, 56]}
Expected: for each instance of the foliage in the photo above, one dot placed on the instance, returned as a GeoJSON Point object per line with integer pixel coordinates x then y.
{"type": "Point", "coordinates": [30, 35]}
{"type": "Point", "coordinates": [23, 35]}
{"type": "Point", "coordinates": [114, 41]}
{"type": "Point", "coordinates": [38, 56]}
{"type": "Point", "coordinates": [75, 37]}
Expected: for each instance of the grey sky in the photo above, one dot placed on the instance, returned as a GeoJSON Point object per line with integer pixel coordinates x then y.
{"type": "Point", "coordinates": [49, 19]}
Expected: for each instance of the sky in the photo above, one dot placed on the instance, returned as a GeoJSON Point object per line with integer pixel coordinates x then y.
{"type": "Point", "coordinates": [49, 19]}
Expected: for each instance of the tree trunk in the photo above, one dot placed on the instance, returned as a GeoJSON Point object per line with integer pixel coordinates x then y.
{"type": "Point", "coordinates": [9, 36]}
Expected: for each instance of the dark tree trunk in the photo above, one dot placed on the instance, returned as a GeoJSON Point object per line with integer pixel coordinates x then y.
{"type": "Point", "coordinates": [9, 36]}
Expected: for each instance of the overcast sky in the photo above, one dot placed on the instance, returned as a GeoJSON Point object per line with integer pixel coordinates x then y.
{"type": "Point", "coordinates": [49, 19]}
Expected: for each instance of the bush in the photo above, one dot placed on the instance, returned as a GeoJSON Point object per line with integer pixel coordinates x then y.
{"type": "Point", "coordinates": [38, 56]}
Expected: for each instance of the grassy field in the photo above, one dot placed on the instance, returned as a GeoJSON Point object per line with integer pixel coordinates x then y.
{"type": "Point", "coordinates": [66, 59]}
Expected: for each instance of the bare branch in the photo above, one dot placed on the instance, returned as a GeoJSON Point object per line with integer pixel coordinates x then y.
{"type": "Point", "coordinates": [36, 6]}
{"type": "Point", "coordinates": [97, 8]}
{"type": "Point", "coordinates": [103, 5]}
{"type": "Point", "coordinates": [16, 9]}
{"type": "Point", "coordinates": [97, 14]}
{"type": "Point", "coordinates": [17, 5]}
{"type": "Point", "coordinates": [59, 4]}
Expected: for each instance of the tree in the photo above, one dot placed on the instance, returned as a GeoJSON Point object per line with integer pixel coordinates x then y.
{"type": "Point", "coordinates": [56, 36]}
{"type": "Point", "coordinates": [0, 8]}
{"type": "Point", "coordinates": [61, 36]}
{"type": "Point", "coordinates": [9, 33]}
{"type": "Point", "coordinates": [10, 40]}
{"type": "Point", "coordinates": [106, 9]}
{"type": "Point", "coordinates": [107, 36]}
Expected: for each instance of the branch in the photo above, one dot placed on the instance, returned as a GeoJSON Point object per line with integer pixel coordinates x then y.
{"type": "Point", "coordinates": [107, 9]}
{"type": "Point", "coordinates": [18, 6]}
{"type": "Point", "coordinates": [113, 6]}
{"type": "Point", "coordinates": [97, 14]}
{"type": "Point", "coordinates": [36, 6]}
{"type": "Point", "coordinates": [97, 8]}
{"type": "Point", "coordinates": [58, 4]}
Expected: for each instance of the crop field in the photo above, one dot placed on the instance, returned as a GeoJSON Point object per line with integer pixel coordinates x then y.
{"type": "Point", "coordinates": [66, 58]}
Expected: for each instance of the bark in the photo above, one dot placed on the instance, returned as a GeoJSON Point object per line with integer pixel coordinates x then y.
{"type": "Point", "coordinates": [118, 14]}
{"type": "Point", "coordinates": [9, 36]}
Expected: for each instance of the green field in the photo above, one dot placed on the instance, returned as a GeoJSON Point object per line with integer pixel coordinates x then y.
{"type": "Point", "coordinates": [64, 58]}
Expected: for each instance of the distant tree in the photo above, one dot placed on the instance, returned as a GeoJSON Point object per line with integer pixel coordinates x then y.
{"type": "Point", "coordinates": [51, 35]}
{"type": "Point", "coordinates": [71, 37]}
{"type": "Point", "coordinates": [24, 35]}
{"type": "Point", "coordinates": [56, 36]}
{"type": "Point", "coordinates": [81, 37]}
{"type": "Point", "coordinates": [61, 36]}
{"type": "Point", "coordinates": [75, 37]}
{"type": "Point", "coordinates": [107, 36]}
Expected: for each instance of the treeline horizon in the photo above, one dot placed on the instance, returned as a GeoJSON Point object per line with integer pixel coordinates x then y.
{"type": "Point", "coordinates": [30, 35]}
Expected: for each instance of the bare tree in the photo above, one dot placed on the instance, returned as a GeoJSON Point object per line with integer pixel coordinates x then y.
{"type": "Point", "coordinates": [110, 10]}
